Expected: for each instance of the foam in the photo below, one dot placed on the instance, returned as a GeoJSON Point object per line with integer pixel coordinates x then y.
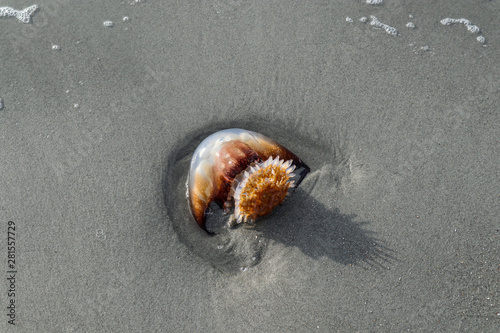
{"type": "Point", "coordinates": [470, 27]}
{"type": "Point", "coordinates": [390, 30]}
{"type": "Point", "coordinates": [468, 24]}
{"type": "Point", "coordinates": [22, 15]}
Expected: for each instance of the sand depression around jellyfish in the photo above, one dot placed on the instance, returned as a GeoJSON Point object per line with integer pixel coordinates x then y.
{"type": "Point", "coordinates": [233, 195]}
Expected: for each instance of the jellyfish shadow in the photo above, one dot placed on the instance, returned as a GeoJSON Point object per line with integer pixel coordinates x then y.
{"type": "Point", "coordinates": [305, 223]}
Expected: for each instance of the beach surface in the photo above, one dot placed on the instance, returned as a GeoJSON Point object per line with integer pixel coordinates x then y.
{"type": "Point", "coordinates": [396, 228]}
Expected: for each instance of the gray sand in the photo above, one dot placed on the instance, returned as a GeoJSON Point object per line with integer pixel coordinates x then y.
{"type": "Point", "coordinates": [396, 228]}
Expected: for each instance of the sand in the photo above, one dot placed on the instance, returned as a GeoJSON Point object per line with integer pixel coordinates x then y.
{"type": "Point", "coordinates": [395, 229]}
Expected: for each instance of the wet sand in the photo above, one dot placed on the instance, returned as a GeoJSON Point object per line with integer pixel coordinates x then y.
{"type": "Point", "coordinates": [395, 229]}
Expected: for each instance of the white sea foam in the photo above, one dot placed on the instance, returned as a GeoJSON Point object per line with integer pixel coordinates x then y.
{"type": "Point", "coordinates": [374, 2]}
{"type": "Point", "coordinates": [22, 15]}
{"type": "Point", "coordinates": [471, 27]}
{"type": "Point", "coordinates": [390, 30]}
{"type": "Point", "coordinates": [468, 24]}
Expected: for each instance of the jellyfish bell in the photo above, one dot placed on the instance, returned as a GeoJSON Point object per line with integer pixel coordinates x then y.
{"type": "Point", "coordinates": [243, 171]}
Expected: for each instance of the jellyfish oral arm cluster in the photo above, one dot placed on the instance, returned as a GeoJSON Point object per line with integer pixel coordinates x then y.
{"type": "Point", "coordinates": [244, 171]}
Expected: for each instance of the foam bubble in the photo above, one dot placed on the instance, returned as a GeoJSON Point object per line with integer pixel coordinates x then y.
{"type": "Point", "coordinates": [473, 28]}
{"type": "Point", "coordinates": [410, 25]}
{"type": "Point", "coordinates": [22, 15]}
{"type": "Point", "coordinates": [374, 2]}
{"type": "Point", "coordinates": [108, 24]}
{"type": "Point", "coordinates": [348, 19]}
{"type": "Point", "coordinates": [481, 39]}
{"type": "Point", "coordinates": [363, 19]}
{"type": "Point", "coordinates": [126, 19]}
{"type": "Point", "coordinates": [390, 30]}
{"type": "Point", "coordinates": [56, 47]}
